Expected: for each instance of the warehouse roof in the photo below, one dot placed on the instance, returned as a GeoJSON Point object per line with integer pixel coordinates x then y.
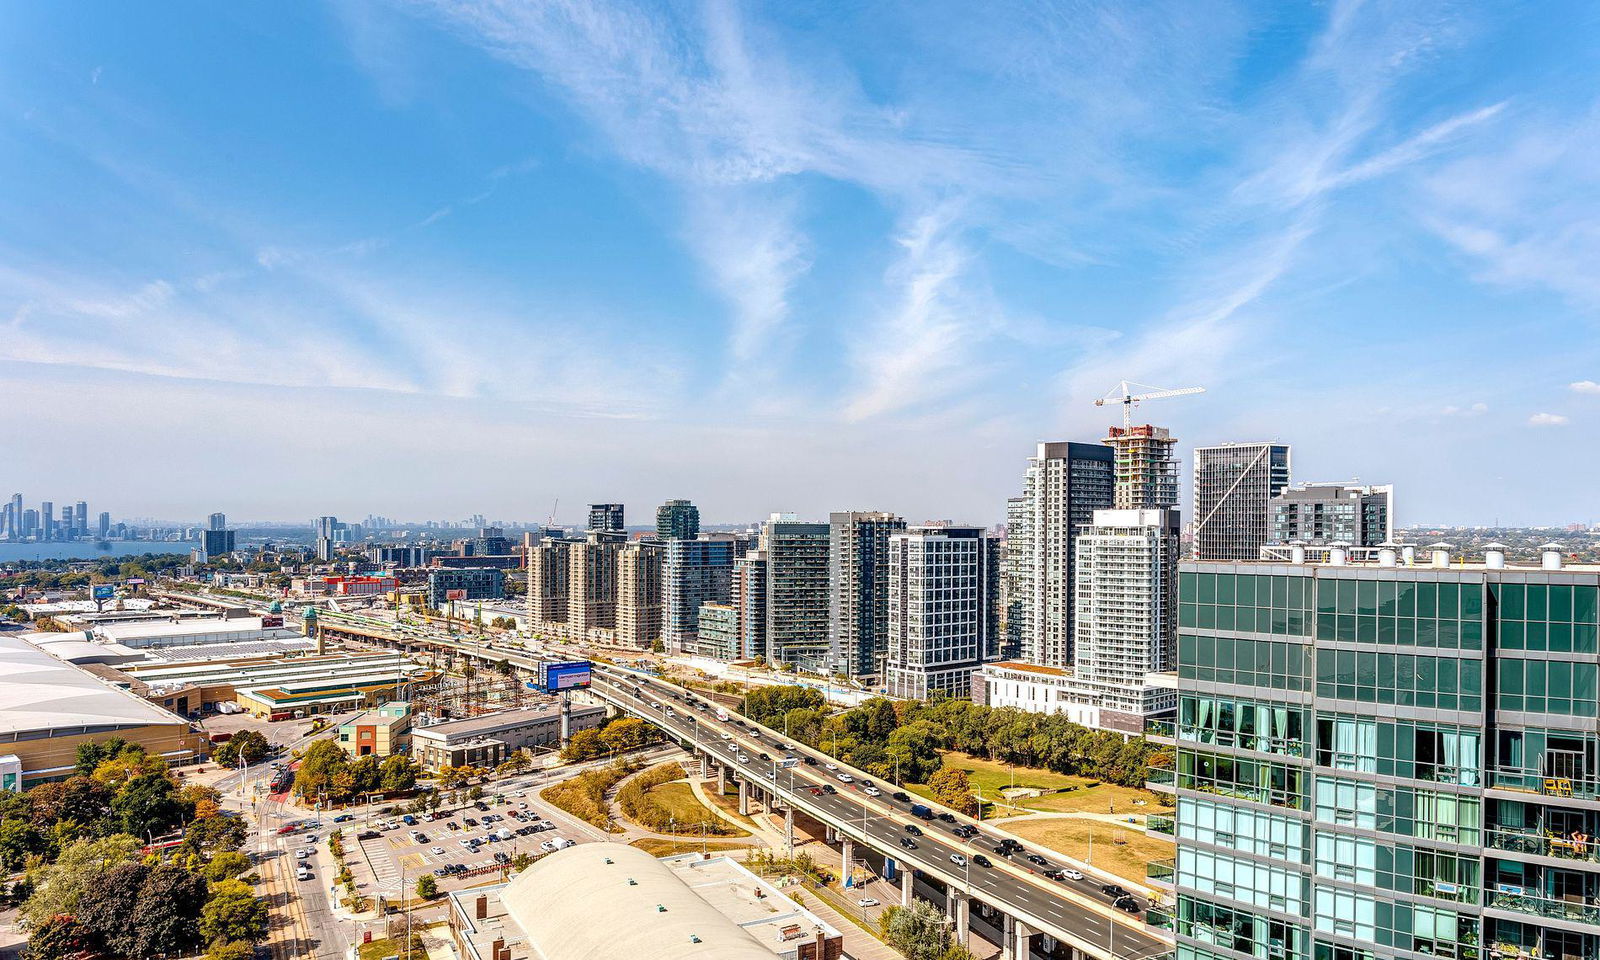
{"type": "Point", "coordinates": [492, 723]}
{"type": "Point", "coordinates": [39, 693]}
{"type": "Point", "coordinates": [613, 900]}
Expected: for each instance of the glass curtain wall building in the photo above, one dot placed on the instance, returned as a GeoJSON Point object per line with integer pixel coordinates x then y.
{"type": "Point", "coordinates": [1385, 761]}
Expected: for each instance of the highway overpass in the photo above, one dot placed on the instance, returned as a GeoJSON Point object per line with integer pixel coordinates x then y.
{"type": "Point", "coordinates": [1073, 913]}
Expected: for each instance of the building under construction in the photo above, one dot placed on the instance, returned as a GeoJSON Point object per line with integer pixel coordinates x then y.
{"type": "Point", "coordinates": [460, 689]}
{"type": "Point", "coordinates": [1146, 470]}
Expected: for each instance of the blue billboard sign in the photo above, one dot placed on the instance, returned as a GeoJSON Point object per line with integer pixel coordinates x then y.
{"type": "Point", "coordinates": [103, 591]}
{"type": "Point", "coordinates": [571, 675]}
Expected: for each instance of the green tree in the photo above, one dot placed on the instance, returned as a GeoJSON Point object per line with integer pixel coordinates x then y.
{"type": "Point", "coordinates": [398, 774]}
{"type": "Point", "coordinates": [231, 951]}
{"type": "Point", "coordinates": [583, 745]}
{"type": "Point", "coordinates": [106, 908]}
{"type": "Point", "coordinates": [318, 765]}
{"type": "Point", "coordinates": [59, 937]}
{"type": "Point", "coordinates": [225, 866]}
{"type": "Point", "coordinates": [234, 914]}
{"type": "Point", "coordinates": [147, 806]}
{"type": "Point", "coordinates": [952, 788]}
{"type": "Point", "coordinates": [80, 865]}
{"type": "Point", "coordinates": [18, 840]}
{"type": "Point", "coordinates": [427, 887]}
{"type": "Point", "coordinates": [918, 931]}
{"type": "Point", "coordinates": [250, 745]}
{"type": "Point", "coordinates": [167, 919]}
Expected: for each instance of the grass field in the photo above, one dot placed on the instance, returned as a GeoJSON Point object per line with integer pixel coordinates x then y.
{"type": "Point", "coordinates": [387, 947]}
{"type": "Point", "coordinates": [681, 802]}
{"type": "Point", "coordinates": [1120, 850]}
{"type": "Point", "coordinates": [990, 778]}
{"type": "Point", "coordinates": [659, 847]}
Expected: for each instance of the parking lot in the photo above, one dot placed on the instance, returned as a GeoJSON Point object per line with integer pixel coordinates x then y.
{"type": "Point", "coordinates": [466, 844]}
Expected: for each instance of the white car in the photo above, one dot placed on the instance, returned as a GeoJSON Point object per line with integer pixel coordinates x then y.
{"type": "Point", "coordinates": [846, 778]}
{"type": "Point", "coordinates": [301, 854]}
{"type": "Point", "coordinates": [743, 758]}
{"type": "Point", "coordinates": [958, 859]}
{"type": "Point", "coordinates": [831, 766]}
{"type": "Point", "coordinates": [547, 846]}
{"type": "Point", "coordinates": [437, 851]}
{"type": "Point", "coordinates": [1072, 874]}
{"type": "Point", "coordinates": [867, 902]}
{"type": "Point", "coordinates": [727, 736]}
{"type": "Point", "coordinates": [873, 792]}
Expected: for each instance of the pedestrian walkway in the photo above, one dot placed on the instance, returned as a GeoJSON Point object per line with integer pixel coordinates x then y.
{"type": "Point", "coordinates": [385, 872]}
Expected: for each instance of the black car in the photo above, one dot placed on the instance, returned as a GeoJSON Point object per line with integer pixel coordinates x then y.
{"type": "Point", "coordinates": [914, 830]}
{"type": "Point", "coordinates": [765, 757]}
{"type": "Point", "coordinates": [1037, 860]}
{"type": "Point", "coordinates": [901, 796]}
{"type": "Point", "coordinates": [1127, 904]}
{"type": "Point", "coordinates": [982, 861]}
{"type": "Point", "coordinates": [1054, 875]}
{"type": "Point", "coordinates": [1006, 843]}
{"type": "Point", "coordinates": [947, 817]}
{"type": "Point", "coordinates": [908, 843]}
{"type": "Point", "coordinates": [368, 835]}
{"type": "Point", "coordinates": [965, 831]}
{"type": "Point", "coordinates": [809, 761]}
{"type": "Point", "coordinates": [502, 857]}
{"type": "Point", "coordinates": [828, 789]}
{"type": "Point", "coordinates": [1113, 890]}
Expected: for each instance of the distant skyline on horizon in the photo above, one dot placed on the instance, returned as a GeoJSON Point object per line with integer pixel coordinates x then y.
{"type": "Point", "coordinates": [359, 257]}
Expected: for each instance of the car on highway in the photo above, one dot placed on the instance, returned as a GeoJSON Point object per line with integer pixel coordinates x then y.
{"type": "Point", "coordinates": [901, 796]}
{"type": "Point", "coordinates": [1072, 874]}
{"type": "Point", "coordinates": [958, 859]}
{"type": "Point", "coordinates": [1037, 860]}
{"type": "Point", "coordinates": [831, 766]}
{"type": "Point", "coordinates": [743, 758]}
{"type": "Point", "coordinates": [914, 830]}
{"type": "Point", "coordinates": [828, 788]}
{"type": "Point", "coordinates": [872, 792]}
{"type": "Point", "coordinates": [867, 902]}
{"type": "Point", "coordinates": [846, 778]}
{"type": "Point", "coordinates": [947, 817]}
{"type": "Point", "coordinates": [1126, 904]}
{"type": "Point", "coordinates": [344, 818]}
{"type": "Point", "coordinates": [982, 861]}
{"type": "Point", "coordinates": [908, 843]}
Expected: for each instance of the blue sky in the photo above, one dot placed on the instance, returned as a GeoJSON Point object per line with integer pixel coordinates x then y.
{"type": "Point", "coordinates": [436, 258]}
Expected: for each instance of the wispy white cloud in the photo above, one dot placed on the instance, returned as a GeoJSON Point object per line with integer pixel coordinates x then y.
{"type": "Point", "coordinates": [1584, 386]}
{"type": "Point", "coordinates": [1471, 410]}
{"type": "Point", "coordinates": [1548, 420]}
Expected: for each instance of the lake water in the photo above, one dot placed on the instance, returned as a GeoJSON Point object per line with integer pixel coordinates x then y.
{"type": "Point", "coordinates": [88, 551]}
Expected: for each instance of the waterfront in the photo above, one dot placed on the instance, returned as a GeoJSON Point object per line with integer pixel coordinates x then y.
{"type": "Point", "coordinates": [88, 549]}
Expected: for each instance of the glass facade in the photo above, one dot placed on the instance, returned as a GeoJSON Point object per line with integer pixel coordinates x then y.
{"type": "Point", "coordinates": [1386, 762]}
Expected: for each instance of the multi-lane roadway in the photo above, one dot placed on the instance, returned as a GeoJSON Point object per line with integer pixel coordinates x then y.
{"type": "Point", "coordinates": [1072, 910]}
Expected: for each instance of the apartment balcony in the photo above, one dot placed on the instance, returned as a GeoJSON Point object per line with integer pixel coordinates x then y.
{"type": "Point", "coordinates": [1160, 824]}
{"type": "Point", "coordinates": [1563, 787]}
{"type": "Point", "coordinates": [1532, 842]}
{"type": "Point", "coordinates": [1160, 729]}
{"type": "Point", "coordinates": [1575, 911]}
{"type": "Point", "coordinates": [1161, 778]}
{"type": "Point", "coordinates": [1161, 871]}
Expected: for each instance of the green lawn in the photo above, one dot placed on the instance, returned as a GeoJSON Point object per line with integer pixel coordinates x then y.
{"type": "Point", "coordinates": [390, 947]}
{"type": "Point", "coordinates": [989, 778]}
{"type": "Point", "coordinates": [681, 802]}
{"type": "Point", "coordinates": [660, 847]}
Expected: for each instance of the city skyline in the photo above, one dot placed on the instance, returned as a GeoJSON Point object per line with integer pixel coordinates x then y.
{"type": "Point", "coordinates": [747, 245]}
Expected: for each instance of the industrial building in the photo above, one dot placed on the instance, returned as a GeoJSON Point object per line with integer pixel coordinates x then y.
{"type": "Point", "coordinates": [282, 689]}
{"type": "Point", "coordinates": [488, 740]}
{"type": "Point", "coordinates": [613, 900]}
{"type": "Point", "coordinates": [187, 633]}
{"type": "Point", "coordinates": [48, 707]}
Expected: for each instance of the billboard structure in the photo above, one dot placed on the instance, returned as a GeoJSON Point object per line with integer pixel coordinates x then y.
{"type": "Point", "coordinates": [569, 675]}
{"type": "Point", "coordinates": [460, 594]}
{"type": "Point", "coordinates": [102, 591]}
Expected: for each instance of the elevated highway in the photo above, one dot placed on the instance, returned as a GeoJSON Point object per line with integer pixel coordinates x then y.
{"type": "Point", "coordinates": [1076, 914]}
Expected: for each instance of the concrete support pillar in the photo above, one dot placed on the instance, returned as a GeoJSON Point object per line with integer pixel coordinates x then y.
{"type": "Point", "coordinates": [744, 798]}
{"type": "Point", "coordinates": [704, 767]}
{"type": "Point", "coordinates": [788, 828]}
{"type": "Point", "coordinates": [722, 780]}
{"type": "Point", "coordinates": [1021, 939]}
{"type": "Point", "coordinates": [566, 716]}
{"type": "Point", "coordinates": [847, 854]}
{"type": "Point", "coordinates": [957, 907]}
{"type": "Point", "coordinates": [829, 835]}
{"type": "Point", "coordinates": [907, 881]}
